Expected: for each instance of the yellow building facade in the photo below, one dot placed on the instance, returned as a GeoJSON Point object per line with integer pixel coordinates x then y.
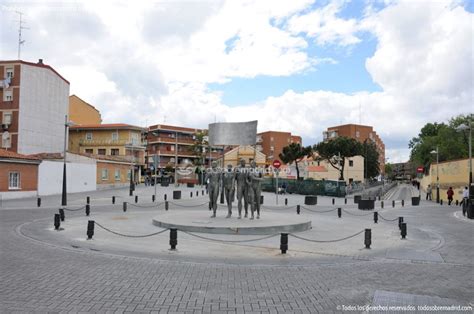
{"type": "Point", "coordinates": [81, 112]}
{"type": "Point", "coordinates": [118, 140]}
{"type": "Point", "coordinates": [248, 153]}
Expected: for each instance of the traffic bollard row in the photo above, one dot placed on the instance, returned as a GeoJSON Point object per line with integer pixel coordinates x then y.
{"type": "Point", "coordinates": [88, 209]}
{"type": "Point", "coordinates": [298, 209]}
{"type": "Point", "coordinates": [173, 238]}
{"type": "Point", "coordinates": [165, 197]}
{"type": "Point", "coordinates": [403, 203]}
{"type": "Point", "coordinates": [113, 199]}
{"type": "Point", "coordinates": [90, 229]}
{"type": "Point", "coordinates": [153, 198]}
{"type": "Point", "coordinates": [400, 221]}
{"type": "Point", "coordinates": [286, 201]}
{"type": "Point", "coordinates": [393, 203]}
{"type": "Point", "coordinates": [339, 212]}
{"type": "Point", "coordinates": [441, 202]}
{"type": "Point", "coordinates": [57, 222]}
{"type": "Point", "coordinates": [38, 201]}
{"type": "Point", "coordinates": [284, 243]}
{"type": "Point", "coordinates": [376, 217]}
{"type": "Point", "coordinates": [381, 204]}
{"type": "Point", "coordinates": [368, 238]}
{"type": "Point", "coordinates": [166, 205]}
{"type": "Point", "coordinates": [88, 200]}
{"type": "Point", "coordinates": [345, 200]}
{"type": "Point", "coordinates": [333, 201]}
{"type": "Point", "coordinates": [136, 198]}
{"type": "Point", "coordinates": [124, 207]}
{"type": "Point", "coordinates": [191, 194]}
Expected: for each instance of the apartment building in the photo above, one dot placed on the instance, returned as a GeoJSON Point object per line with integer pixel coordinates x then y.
{"type": "Point", "coordinates": [81, 112]}
{"type": "Point", "coordinates": [171, 145]}
{"type": "Point", "coordinates": [360, 133]}
{"type": "Point", "coordinates": [271, 143]}
{"type": "Point", "coordinates": [34, 101]}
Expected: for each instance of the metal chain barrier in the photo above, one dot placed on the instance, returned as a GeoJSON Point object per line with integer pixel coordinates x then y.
{"type": "Point", "coordinates": [146, 206]}
{"type": "Point", "coordinates": [278, 207]}
{"type": "Point", "coordinates": [327, 241]}
{"type": "Point", "coordinates": [74, 209]}
{"type": "Point", "coordinates": [318, 211]}
{"type": "Point", "coordinates": [230, 241]}
{"type": "Point", "coordinates": [396, 218]}
{"type": "Point", "coordinates": [360, 215]}
{"type": "Point", "coordinates": [181, 205]}
{"type": "Point", "coordinates": [128, 235]}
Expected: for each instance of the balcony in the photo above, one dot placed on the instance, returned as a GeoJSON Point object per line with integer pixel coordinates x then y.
{"type": "Point", "coordinates": [110, 142]}
{"type": "Point", "coordinates": [181, 140]}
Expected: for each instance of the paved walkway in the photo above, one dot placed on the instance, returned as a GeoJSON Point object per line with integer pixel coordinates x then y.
{"type": "Point", "coordinates": [46, 274]}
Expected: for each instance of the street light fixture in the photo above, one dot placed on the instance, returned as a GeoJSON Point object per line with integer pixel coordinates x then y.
{"type": "Point", "coordinates": [67, 124]}
{"type": "Point", "coordinates": [462, 128]}
{"type": "Point", "coordinates": [437, 172]}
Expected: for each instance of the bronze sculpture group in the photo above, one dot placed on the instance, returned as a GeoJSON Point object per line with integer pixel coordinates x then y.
{"type": "Point", "coordinates": [247, 180]}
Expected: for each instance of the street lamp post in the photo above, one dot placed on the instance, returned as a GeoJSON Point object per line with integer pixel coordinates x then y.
{"type": "Point", "coordinates": [437, 172]}
{"type": "Point", "coordinates": [132, 183]}
{"type": "Point", "coordinates": [175, 158]}
{"type": "Point", "coordinates": [67, 124]}
{"type": "Point", "coordinates": [462, 128]}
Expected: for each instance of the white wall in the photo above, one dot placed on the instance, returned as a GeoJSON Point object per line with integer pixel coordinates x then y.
{"type": "Point", "coordinates": [44, 101]}
{"type": "Point", "coordinates": [81, 177]}
{"type": "Point", "coordinates": [16, 194]}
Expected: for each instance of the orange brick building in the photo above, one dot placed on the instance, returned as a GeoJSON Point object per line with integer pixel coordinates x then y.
{"type": "Point", "coordinates": [271, 143]}
{"type": "Point", "coordinates": [360, 133]}
{"type": "Point", "coordinates": [18, 174]}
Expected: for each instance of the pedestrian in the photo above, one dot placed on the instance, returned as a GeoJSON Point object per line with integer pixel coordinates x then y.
{"type": "Point", "coordinates": [428, 192]}
{"type": "Point", "coordinates": [465, 200]}
{"type": "Point", "coordinates": [450, 194]}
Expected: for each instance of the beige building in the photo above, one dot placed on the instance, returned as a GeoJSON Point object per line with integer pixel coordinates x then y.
{"type": "Point", "coordinates": [248, 153]}
{"type": "Point", "coordinates": [454, 173]}
{"type": "Point", "coordinates": [81, 112]}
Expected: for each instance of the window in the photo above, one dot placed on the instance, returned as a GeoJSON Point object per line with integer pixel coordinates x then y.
{"type": "Point", "coordinates": [117, 174]}
{"type": "Point", "coordinates": [271, 139]}
{"type": "Point", "coordinates": [6, 140]}
{"type": "Point", "coordinates": [272, 148]}
{"type": "Point", "coordinates": [114, 152]}
{"type": "Point", "coordinates": [13, 180]}
{"type": "Point", "coordinates": [357, 134]}
{"type": "Point", "coordinates": [105, 174]}
{"type": "Point", "coordinates": [10, 72]}
{"type": "Point", "coordinates": [135, 138]}
{"type": "Point", "coordinates": [351, 163]}
{"type": "Point", "coordinates": [115, 136]}
{"type": "Point", "coordinates": [128, 174]}
{"type": "Point", "coordinates": [89, 151]}
{"type": "Point", "coordinates": [7, 118]}
{"type": "Point", "coordinates": [89, 136]}
{"type": "Point", "coordinates": [8, 95]}
{"type": "Point", "coordinates": [101, 151]}
{"type": "Point", "coordinates": [371, 136]}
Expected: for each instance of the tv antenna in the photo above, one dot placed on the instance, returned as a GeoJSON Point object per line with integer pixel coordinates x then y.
{"type": "Point", "coordinates": [20, 28]}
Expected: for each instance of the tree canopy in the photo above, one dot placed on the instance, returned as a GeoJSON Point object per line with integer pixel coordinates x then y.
{"type": "Point", "coordinates": [342, 147]}
{"type": "Point", "coordinates": [292, 153]}
{"type": "Point", "coordinates": [371, 159]}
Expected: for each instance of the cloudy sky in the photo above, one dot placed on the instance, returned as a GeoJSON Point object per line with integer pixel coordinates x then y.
{"type": "Point", "coordinates": [299, 65]}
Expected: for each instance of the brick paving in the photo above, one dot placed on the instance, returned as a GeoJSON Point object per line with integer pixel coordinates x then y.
{"type": "Point", "coordinates": [41, 278]}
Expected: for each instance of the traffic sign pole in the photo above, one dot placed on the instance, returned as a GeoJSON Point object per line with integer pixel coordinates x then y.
{"type": "Point", "coordinates": [276, 166]}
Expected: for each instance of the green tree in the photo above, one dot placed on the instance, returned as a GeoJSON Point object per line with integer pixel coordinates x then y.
{"type": "Point", "coordinates": [371, 159]}
{"type": "Point", "coordinates": [451, 144]}
{"type": "Point", "coordinates": [199, 148]}
{"type": "Point", "coordinates": [337, 150]}
{"type": "Point", "coordinates": [389, 170]}
{"type": "Point", "coordinates": [292, 153]}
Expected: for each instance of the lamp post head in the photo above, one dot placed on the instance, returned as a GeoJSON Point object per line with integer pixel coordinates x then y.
{"type": "Point", "coordinates": [462, 127]}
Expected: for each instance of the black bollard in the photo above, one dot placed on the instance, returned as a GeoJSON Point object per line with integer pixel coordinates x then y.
{"type": "Point", "coordinates": [298, 209]}
{"type": "Point", "coordinates": [173, 238]}
{"type": "Point", "coordinates": [88, 200]}
{"type": "Point", "coordinates": [57, 222]}
{"type": "Point", "coordinates": [441, 202]}
{"type": "Point", "coordinates": [400, 221]}
{"type": "Point", "coordinates": [403, 230]}
{"type": "Point", "coordinates": [61, 214]}
{"type": "Point", "coordinates": [191, 194]}
{"type": "Point", "coordinates": [38, 201]}
{"type": "Point", "coordinates": [222, 197]}
{"type": "Point", "coordinates": [381, 204]}
{"type": "Point", "coordinates": [379, 197]}
{"type": "Point", "coordinates": [197, 193]}
{"type": "Point", "coordinates": [124, 207]}
{"type": "Point", "coordinates": [165, 197]}
{"type": "Point", "coordinates": [403, 203]}
{"type": "Point", "coordinates": [393, 203]}
{"type": "Point", "coordinates": [202, 192]}
{"type": "Point", "coordinates": [136, 198]}
{"type": "Point", "coordinates": [345, 200]}
{"type": "Point", "coordinates": [286, 201]}
{"type": "Point", "coordinates": [333, 201]}
{"type": "Point", "coordinates": [376, 217]}
{"type": "Point", "coordinates": [339, 212]}
{"type": "Point", "coordinates": [284, 243]}
{"type": "Point", "coordinates": [368, 238]}
{"type": "Point", "coordinates": [88, 209]}
{"type": "Point", "coordinates": [113, 199]}
{"type": "Point", "coordinates": [90, 229]}
{"type": "Point", "coordinates": [153, 198]}
{"type": "Point", "coordinates": [166, 205]}
{"type": "Point", "coordinates": [457, 202]}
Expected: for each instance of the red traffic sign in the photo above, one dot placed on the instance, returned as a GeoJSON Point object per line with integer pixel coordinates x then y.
{"type": "Point", "coordinates": [420, 169]}
{"type": "Point", "coordinates": [276, 163]}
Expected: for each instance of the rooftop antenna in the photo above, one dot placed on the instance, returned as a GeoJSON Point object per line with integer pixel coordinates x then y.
{"type": "Point", "coordinates": [20, 27]}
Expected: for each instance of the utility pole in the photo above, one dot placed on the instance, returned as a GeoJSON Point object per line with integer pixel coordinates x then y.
{"type": "Point", "coordinates": [20, 28]}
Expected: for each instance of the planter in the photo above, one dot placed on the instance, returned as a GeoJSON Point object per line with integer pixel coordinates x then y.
{"type": "Point", "coordinates": [310, 200]}
{"type": "Point", "coordinates": [415, 201]}
{"type": "Point", "coordinates": [366, 204]}
{"type": "Point", "coordinates": [176, 195]}
{"type": "Point", "coordinates": [357, 198]}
